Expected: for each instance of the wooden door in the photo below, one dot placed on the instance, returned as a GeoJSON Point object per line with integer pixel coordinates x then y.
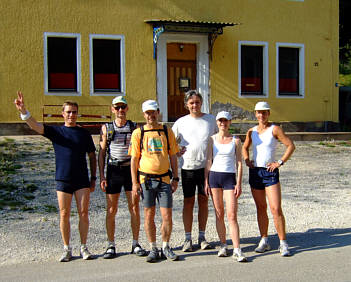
{"type": "Point", "coordinates": [181, 68]}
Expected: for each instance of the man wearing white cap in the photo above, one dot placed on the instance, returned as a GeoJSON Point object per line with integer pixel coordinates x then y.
{"type": "Point", "coordinates": [114, 142]}
{"type": "Point", "coordinates": [264, 174]}
{"type": "Point", "coordinates": [153, 150]}
{"type": "Point", "coordinates": [193, 132]}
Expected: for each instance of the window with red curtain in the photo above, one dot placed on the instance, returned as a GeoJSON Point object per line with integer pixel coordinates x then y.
{"type": "Point", "coordinates": [106, 65]}
{"type": "Point", "coordinates": [62, 64]}
{"type": "Point", "coordinates": [288, 71]}
{"type": "Point", "coordinates": [251, 70]}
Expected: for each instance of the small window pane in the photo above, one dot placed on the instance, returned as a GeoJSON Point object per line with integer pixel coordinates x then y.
{"type": "Point", "coordinates": [62, 64]}
{"type": "Point", "coordinates": [252, 70]}
{"type": "Point", "coordinates": [288, 71]}
{"type": "Point", "coordinates": [107, 65]}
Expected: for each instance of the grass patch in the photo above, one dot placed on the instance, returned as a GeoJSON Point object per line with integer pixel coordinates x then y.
{"type": "Point", "coordinates": [50, 208]}
{"type": "Point", "coordinates": [333, 143]}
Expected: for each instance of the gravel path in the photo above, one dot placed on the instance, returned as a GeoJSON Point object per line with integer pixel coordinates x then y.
{"type": "Point", "coordinates": [316, 186]}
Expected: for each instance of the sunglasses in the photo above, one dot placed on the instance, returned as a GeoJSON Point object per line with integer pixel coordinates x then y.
{"type": "Point", "coordinates": [123, 107]}
{"type": "Point", "coordinates": [71, 112]}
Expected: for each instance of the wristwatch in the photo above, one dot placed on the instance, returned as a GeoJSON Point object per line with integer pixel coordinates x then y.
{"type": "Point", "coordinates": [280, 162]}
{"type": "Point", "coordinates": [175, 179]}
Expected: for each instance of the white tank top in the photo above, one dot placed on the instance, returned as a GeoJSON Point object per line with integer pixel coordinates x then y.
{"type": "Point", "coordinates": [224, 159]}
{"type": "Point", "coordinates": [264, 146]}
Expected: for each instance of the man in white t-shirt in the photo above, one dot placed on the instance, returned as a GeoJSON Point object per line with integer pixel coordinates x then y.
{"type": "Point", "coordinates": [192, 132]}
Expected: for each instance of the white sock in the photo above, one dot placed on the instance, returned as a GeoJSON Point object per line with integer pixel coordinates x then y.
{"type": "Point", "coordinates": [236, 250]}
{"type": "Point", "coordinates": [153, 245]}
{"type": "Point", "coordinates": [264, 240]}
{"type": "Point", "coordinates": [83, 246]}
{"type": "Point", "coordinates": [187, 235]}
{"type": "Point", "coordinates": [111, 243]}
{"type": "Point", "coordinates": [135, 242]}
{"type": "Point", "coordinates": [67, 247]}
{"type": "Point", "coordinates": [224, 245]}
{"type": "Point", "coordinates": [283, 242]}
{"type": "Point", "coordinates": [164, 245]}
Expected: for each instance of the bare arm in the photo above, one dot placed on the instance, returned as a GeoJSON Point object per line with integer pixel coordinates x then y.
{"type": "Point", "coordinates": [209, 160]}
{"type": "Point", "coordinates": [239, 168]}
{"type": "Point", "coordinates": [246, 148]}
{"type": "Point", "coordinates": [174, 166]}
{"type": "Point", "coordinates": [134, 164]}
{"type": "Point", "coordinates": [290, 147]}
{"type": "Point", "coordinates": [102, 156]}
{"type": "Point", "coordinates": [92, 162]}
{"type": "Point", "coordinates": [32, 123]}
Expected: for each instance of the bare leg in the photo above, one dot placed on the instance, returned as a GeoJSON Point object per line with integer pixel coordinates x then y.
{"type": "Point", "coordinates": [111, 211]}
{"type": "Point", "coordinates": [203, 211]}
{"type": "Point", "coordinates": [274, 198]}
{"type": "Point", "coordinates": [64, 201]}
{"type": "Point", "coordinates": [261, 206]}
{"type": "Point", "coordinates": [231, 204]}
{"type": "Point", "coordinates": [133, 206]}
{"type": "Point", "coordinates": [188, 209]}
{"type": "Point", "coordinates": [217, 199]}
{"type": "Point", "coordinates": [166, 228]}
{"type": "Point", "coordinates": [149, 224]}
{"type": "Point", "coordinates": [82, 199]}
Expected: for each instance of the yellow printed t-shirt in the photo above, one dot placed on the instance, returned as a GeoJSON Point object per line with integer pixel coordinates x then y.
{"type": "Point", "coordinates": [154, 157]}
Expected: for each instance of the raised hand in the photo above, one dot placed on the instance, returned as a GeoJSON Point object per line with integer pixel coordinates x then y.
{"type": "Point", "coordinates": [19, 103]}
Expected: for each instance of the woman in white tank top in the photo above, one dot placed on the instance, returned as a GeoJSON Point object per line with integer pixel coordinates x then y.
{"type": "Point", "coordinates": [264, 174]}
{"type": "Point", "coordinates": [223, 176]}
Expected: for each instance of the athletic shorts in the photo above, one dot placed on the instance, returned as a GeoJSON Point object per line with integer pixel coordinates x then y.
{"type": "Point", "coordinates": [118, 176]}
{"type": "Point", "coordinates": [69, 187]}
{"type": "Point", "coordinates": [154, 189]}
{"type": "Point", "coordinates": [260, 177]}
{"type": "Point", "coordinates": [191, 179]}
{"type": "Point", "coordinates": [224, 180]}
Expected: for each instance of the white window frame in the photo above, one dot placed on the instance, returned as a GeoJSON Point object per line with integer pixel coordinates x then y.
{"type": "Point", "coordinates": [301, 48]}
{"type": "Point", "coordinates": [122, 61]}
{"type": "Point", "coordinates": [78, 54]}
{"type": "Point", "coordinates": [265, 68]}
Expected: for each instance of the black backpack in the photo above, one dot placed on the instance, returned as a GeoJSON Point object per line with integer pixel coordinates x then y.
{"type": "Point", "coordinates": [163, 129]}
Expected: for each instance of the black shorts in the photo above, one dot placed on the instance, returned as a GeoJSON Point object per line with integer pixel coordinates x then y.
{"type": "Point", "coordinates": [69, 187]}
{"type": "Point", "coordinates": [260, 177]}
{"type": "Point", "coordinates": [224, 180]}
{"type": "Point", "coordinates": [118, 176]}
{"type": "Point", "coordinates": [192, 179]}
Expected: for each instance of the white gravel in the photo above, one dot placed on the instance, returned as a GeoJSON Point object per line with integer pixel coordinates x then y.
{"type": "Point", "coordinates": [316, 186]}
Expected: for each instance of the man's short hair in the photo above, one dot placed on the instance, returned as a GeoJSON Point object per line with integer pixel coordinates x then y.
{"type": "Point", "coordinates": [69, 103]}
{"type": "Point", "coordinates": [190, 94]}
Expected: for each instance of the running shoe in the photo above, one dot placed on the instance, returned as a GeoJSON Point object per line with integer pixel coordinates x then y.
{"type": "Point", "coordinates": [203, 244]}
{"type": "Point", "coordinates": [138, 250]}
{"type": "Point", "coordinates": [66, 256]}
{"type": "Point", "coordinates": [284, 250]}
{"type": "Point", "coordinates": [239, 256]}
{"type": "Point", "coordinates": [187, 246]}
{"type": "Point", "coordinates": [85, 254]}
{"type": "Point", "coordinates": [262, 247]}
{"type": "Point", "coordinates": [153, 255]}
{"type": "Point", "coordinates": [110, 253]}
{"type": "Point", "coordinates": [167, 253]}
{"type": "Point", "coordinates": [223, 251]}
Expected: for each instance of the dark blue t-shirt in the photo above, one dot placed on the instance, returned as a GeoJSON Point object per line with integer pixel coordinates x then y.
{"type": "Point", "coordinates": [71, 145]}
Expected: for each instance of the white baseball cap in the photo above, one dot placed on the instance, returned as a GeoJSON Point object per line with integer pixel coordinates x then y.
{"type": "Point", "coordinates": [224, 114]}
{"type": "Point", "coordinates": [150, 105]}
{"type": "Point", "coordinates": [119, 99]}
{"type": "Point", "coordinates": [262, 106]}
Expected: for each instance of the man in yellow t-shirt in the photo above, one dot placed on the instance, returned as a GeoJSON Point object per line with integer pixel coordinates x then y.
{"type": "Point", "coordinates": [153, 150]}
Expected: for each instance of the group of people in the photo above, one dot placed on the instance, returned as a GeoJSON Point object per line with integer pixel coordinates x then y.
{"type": "Point", "coordinates": [144, 161]}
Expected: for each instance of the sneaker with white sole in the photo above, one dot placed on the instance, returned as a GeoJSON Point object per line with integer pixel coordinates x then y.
{"type": "Point", "coordinates": [239, 256]}
{"type": "Point", "coordinates": [262, 247]}
{"type": "Point", "coordinates": [223, 252]}
{"type": "Point", "coordinates": [284, 250]}
{"type": "Point", "coordinates": [203, 244]}
{"type": "Point", "coordinates": [66, 256]}
{"type": "Point", "coordinates": [187, 246]}
{"type": "Point", "coordinates": [110, 252]}
{"type": "Point", "coordinates": [153, 255]}
{"type": "Point", "coordinates": [85, 254]}
{"type": "Point", "coordinates": [167, 253]}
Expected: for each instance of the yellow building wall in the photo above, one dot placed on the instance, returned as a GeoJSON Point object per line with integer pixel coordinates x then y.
{"type": "Point", "coordinates": [313, 23]}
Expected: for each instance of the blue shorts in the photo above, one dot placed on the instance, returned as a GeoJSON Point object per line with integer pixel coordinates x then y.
{"type": "Point", "coordinates": [69, 187]}
{"type": "Point", "coordinates": [154, 189]}
{"type": "Point", "coordinates": [118, 176]}
{"type": "Point", "coordinates": [260, 177]}
{"type": "Point", "coordinates": [224, 180]}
